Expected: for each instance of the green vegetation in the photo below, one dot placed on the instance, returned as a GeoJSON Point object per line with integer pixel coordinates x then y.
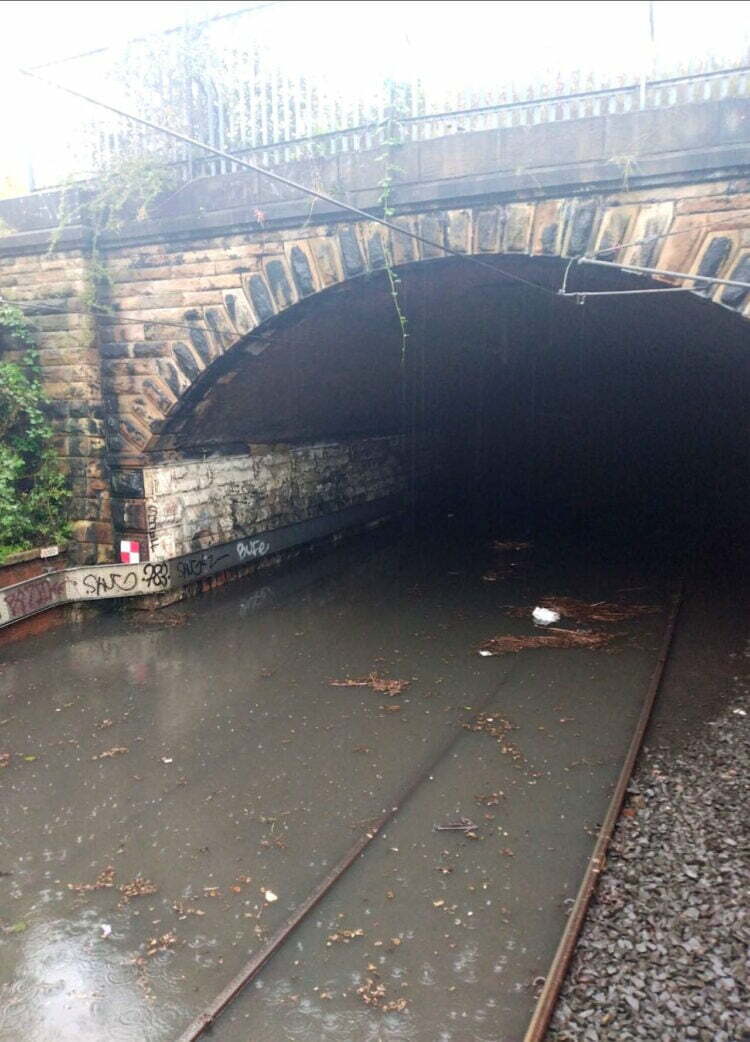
{"type": "Point", "coordinates": [123, 189]}
{"type": "Point", "coordinates": [33, 492]}
{"type": "Point", "coordinates": [392, 143]}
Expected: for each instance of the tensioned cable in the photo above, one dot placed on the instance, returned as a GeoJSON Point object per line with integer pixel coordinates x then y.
{"type": "Point", "coordinates": [288, 182]}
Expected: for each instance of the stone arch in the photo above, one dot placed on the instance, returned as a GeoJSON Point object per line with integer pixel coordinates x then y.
{"type": "Point", "coordinates": [250, 323]}
{"type": "Point", "coordinates": [246, 282]}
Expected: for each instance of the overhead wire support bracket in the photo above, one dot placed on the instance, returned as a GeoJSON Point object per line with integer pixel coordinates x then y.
{"type": "Point", "coordinates": [637, 269]}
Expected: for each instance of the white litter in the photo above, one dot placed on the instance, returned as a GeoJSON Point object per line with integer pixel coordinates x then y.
{"type": "Point", "coordinates": [485, 654]}
{"type": "Point", "coordinates": [167, 759]}
{"type": "Point", "coordinates": [270, 896]}
{"type": "Point", "coordinates": [739, 712]}
{"type": "Point", "coordinates": [106, 930]}
{"type": "Point", "coordinates": [544, 616]}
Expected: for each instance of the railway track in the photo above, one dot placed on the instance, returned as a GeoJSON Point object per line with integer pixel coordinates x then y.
{"type": "Point", "coordinates": [553, 980]}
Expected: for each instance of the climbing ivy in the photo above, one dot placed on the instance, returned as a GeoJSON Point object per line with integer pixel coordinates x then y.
{"type": "Point", "coordinates": [33, 493]}
{"type": "Point", "coordinates": [392, 143]}
{"type": "Point", "coordinates": [123, 189]}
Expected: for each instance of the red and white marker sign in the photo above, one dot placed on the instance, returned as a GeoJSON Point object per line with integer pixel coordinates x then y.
{"type": "Point", "coordinates": [130, 551]}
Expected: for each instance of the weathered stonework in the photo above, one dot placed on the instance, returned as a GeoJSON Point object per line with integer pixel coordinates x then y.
{"type": "Point", "coordinates": [186, 289]}
{"type": "Point", "coordinates": [198, 504]}
{"type": "Point", "coordinates": [71, 377]}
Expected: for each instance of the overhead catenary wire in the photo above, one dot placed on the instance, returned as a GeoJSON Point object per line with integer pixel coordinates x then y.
{"type": "Point", "coordinates": [288, 182]}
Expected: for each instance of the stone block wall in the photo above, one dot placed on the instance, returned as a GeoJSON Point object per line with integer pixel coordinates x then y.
{"type": "Point", "coordinates": [197, 504]}
{"type": "Point", "coordinates": [71, 378]}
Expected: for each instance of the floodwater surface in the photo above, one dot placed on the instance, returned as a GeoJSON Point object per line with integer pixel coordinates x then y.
{"type": "Point", "coordinates": [175, 784]}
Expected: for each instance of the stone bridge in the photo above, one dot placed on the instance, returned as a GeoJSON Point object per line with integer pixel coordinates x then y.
{"type": "Point", "coordinates": [249, 373]}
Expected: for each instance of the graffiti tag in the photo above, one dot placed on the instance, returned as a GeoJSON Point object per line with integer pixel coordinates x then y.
{"type": "Point", "coordinates": [252, 548]}
{"type": "Point", "coordinates": [156, 575]}
{"type": "Point", "coordinates": [34, 595]}
{"type": "Point", "coordinates": [193, 567]}
{"type": "Point", "coordinates": [110, 583]}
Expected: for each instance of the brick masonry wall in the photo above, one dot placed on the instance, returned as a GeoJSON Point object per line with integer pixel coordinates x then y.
{"type": "Point", "coordinates": [195, 505]}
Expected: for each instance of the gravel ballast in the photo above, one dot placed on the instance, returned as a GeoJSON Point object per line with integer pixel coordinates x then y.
{"type": "Point", "coordinates": [663, 953]}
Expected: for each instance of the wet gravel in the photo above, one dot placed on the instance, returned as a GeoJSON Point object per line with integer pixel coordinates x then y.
{"type": "Point", "coordinates": [663, 953]}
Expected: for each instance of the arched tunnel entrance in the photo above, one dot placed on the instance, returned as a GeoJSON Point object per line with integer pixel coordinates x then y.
{"type": "Point", "coordinates": [523, 408]}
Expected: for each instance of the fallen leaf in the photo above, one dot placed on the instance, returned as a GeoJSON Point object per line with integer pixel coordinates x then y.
{"type": "Point", "coordinates": [104, 880]}
{"type": "Point", "coordinates": [116, 750]}
{"type": "Point", "coordinates": [138, 888]}
{"type": "Point", "coordinates": [373, 680]}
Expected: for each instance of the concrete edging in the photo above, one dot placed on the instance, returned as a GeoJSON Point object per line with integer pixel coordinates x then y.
{"type": "Point", "coordinates": [110, 581]}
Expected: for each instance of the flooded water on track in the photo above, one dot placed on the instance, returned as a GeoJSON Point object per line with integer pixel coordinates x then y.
{"type": "Point", "coordinates": [176, 783]}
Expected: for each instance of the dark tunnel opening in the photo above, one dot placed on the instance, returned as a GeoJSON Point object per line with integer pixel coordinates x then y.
{"type": "Point", "coordinates": [516, 407]}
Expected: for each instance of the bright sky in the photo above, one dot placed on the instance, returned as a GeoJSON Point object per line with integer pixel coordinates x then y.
{"type": "Point", "coordinates": [356, 43]}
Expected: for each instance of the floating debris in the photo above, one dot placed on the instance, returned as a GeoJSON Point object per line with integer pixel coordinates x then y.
{"type": "Point", "coordinates": [554, 638]}
{"type": "Point", "coordinates": [584, 611]}
{"type": "Point", "coordinates": [489, 799]}
{"type": "Point", "coordinates": [378, 683]}
{"type": "Point", "coordinates": [116, 750]}
{"type": "Point", "coordinates": [270, 896]}
{"type": "Point", "coordinates": [509, 545]}
{"type": "Point", "coordinates": [106, 930]}
{"type": "Point", "coordinates": [373, 993]}
{"type": "Point", "coordinates": [545, 616]}
{"type": "Point", "coordinates": [462, 825]}
{"type": "Point", "coordinates": [496, 727]}
{"type": "Point", "coordinates": [163, 943]}
{"type": "Point", "coordinates": [104, 880]}
{"type": "Point", "coordinates": [344, 936]}
{"type": "Point", "coordinates": [183, 911]}
{"type": "Point", "coordinates": [139, 887]}
{"type": "Point", "coordinates": [600, 611]}
{"type": "Point", "coordinates": [5, 759]}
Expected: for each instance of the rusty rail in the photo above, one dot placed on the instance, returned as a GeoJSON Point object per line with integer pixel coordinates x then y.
{"type": "Point", "coordinates": [553, 982]}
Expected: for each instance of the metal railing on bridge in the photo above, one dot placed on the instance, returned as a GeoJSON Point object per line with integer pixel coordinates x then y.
{"type": "Point", "coordinates": [239, 92]}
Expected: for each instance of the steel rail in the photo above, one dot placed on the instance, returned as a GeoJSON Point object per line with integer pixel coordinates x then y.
{"type": "Point", "coordinates": [553, 982]}
{"type": "Point", "coordinates": [205, 1019]}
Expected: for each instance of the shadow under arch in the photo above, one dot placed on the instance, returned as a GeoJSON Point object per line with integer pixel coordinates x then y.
{"type": "Point", "coordinates": [619, 398]}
